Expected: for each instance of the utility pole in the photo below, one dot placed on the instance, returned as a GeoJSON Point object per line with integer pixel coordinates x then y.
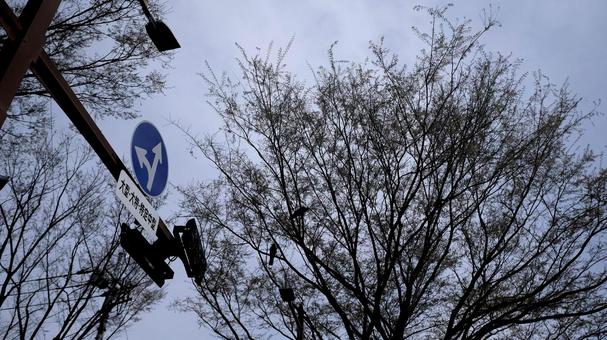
{"type": "Point", "coordinates": [106, 308]}
{"type": "Point", "coordinates": [115, 294]}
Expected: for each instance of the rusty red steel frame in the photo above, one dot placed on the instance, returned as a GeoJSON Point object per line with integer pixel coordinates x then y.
{"type": "Point", "coordinates": [23, 47]}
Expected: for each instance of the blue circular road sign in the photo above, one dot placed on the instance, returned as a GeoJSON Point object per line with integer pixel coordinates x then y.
{"type": "Point", "coordinates": [149, 158]}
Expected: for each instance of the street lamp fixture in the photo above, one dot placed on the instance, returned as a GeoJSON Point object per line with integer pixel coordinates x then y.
{"type": "Point", "coordinates": [99, 280]}
{"type": "Point", "coordinates": [287, 294]}
{"type": "Point", "coordinates": [3, 181]}
{"type": "Point", "coordinates": [158, 31]}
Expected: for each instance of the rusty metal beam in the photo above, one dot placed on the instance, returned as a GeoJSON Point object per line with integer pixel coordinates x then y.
{"type": "Point", "coordinates": [18, 53]}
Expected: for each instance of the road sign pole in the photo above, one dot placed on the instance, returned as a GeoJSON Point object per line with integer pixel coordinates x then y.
{"type": "Point", "coordinates": [24, 49]}
{"type": "Point", "coordinates": [47, 73]}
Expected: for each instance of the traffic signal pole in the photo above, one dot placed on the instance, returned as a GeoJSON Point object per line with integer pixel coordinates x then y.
{"type": "Point", "coordinates": [23, 50]}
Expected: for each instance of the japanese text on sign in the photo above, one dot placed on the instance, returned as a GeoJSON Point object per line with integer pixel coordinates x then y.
{"type": "Point", "coordinates": [137, 204]}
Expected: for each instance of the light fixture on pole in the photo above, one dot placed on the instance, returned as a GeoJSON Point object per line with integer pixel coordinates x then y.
{"type": "Point", "coordinates": [158, 31]}
{"type": "Point", "coordinates": [3, 181]}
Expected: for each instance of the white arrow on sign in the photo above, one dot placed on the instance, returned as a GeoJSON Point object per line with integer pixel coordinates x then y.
{"type": "Point", "coordinates": [144, 162]}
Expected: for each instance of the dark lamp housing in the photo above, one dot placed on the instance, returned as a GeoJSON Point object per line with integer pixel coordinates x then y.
{"type": "Point", "coordinates": [161, 35]}
{"type": "Point", "coordinates": [287, 294]}
{"type": "Point", "coordinates": [3, 181]}
{"type": "Point", "coordinates": [299, 212]}
{"type": "Point", "coordinates": [98, 280]}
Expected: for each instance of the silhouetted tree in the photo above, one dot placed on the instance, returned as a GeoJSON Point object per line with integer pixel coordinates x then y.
{"type": "Point", "coordinates": [445, 201]}
{"type": "Point", "coordinates": [61, 271]}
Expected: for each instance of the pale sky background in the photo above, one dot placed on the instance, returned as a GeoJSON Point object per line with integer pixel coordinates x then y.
{"type": "Point", "coordinates": [565, 39]}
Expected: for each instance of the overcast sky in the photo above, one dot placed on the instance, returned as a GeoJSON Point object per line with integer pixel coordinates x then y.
{"type": "Point", "coordinates": [565, 39]}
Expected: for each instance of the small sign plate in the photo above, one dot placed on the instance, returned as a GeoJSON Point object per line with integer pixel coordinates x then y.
{"type": "Point", "coordinates": [137, 204]}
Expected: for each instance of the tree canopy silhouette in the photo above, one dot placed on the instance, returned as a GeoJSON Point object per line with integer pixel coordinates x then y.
{"type": "Point", "coordinates": [62, 272]}
{"type": "Point", "coordinates": [438, 200]}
